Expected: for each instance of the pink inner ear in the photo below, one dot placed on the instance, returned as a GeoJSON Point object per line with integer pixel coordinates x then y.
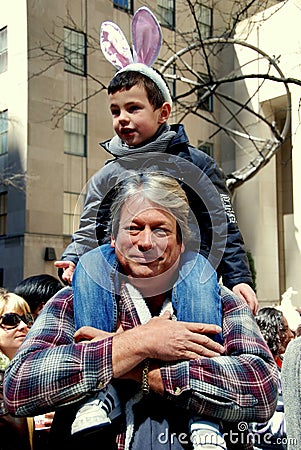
{"type": "Point", "coordinates": [114, 45]}
{"type": "Point", "coordinates": [146, 36]}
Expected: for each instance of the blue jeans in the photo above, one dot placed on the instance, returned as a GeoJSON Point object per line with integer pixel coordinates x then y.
{"type": "Point", "coordinates": [195, 295]}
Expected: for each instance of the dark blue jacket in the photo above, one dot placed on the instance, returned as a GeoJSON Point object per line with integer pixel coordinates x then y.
{"type": "Point", "coordinates": [213, 220]}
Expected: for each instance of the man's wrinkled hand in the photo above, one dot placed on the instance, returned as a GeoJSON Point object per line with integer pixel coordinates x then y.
{"type": "Point", "coordinates": [170, 340]}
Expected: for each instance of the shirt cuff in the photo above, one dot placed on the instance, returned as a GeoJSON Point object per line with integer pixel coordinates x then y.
{"type": "Point", "coordinates": [176, 378]}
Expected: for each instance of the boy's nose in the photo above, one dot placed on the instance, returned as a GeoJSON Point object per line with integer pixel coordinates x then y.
{"type": "Point", "coordinates": [123, 117]}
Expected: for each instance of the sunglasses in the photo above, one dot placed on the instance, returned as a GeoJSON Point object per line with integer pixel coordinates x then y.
{"type": "Point", "coordinates": [8, 321]}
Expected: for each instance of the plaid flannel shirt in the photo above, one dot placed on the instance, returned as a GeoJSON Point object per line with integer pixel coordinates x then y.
{"type": "Point", "coordinates": [50, 370]}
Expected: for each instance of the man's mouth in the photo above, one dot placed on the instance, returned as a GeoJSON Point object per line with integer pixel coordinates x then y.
{"type": "Point", "coordinates": [144, 259]}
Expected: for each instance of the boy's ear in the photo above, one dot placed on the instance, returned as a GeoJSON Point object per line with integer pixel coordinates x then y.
{"type": "Point", "coordinates": [165, 112]}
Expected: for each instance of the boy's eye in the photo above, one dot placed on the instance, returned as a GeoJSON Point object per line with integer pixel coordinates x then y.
{"type": "Point", "coordinates": [133, 108]}
{"type": "Point", "coordinates": [115, 112]}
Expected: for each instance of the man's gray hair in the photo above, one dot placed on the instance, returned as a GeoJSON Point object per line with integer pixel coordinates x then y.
{"type": "Point", "coordinates": [160, 189]}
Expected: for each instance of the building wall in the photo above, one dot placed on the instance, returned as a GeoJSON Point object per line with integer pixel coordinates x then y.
{"type": "Point", "coordinates": [13, 97]}
{"type": "Point", "coordinates": [37, 143]}
{"type": "Point", "coordinates": [272, 229]}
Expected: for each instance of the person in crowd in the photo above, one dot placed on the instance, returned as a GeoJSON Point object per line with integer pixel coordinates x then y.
{"type": "Point", "coordinates": [140, 104]}
{"type": "Point", "coordinates": [3, 359]}
{"type": "Point", "coordinates": [195, 298]}
{"type": "Point", "coordinates": [276, 332]}
{"type": "Point", "coordinates": [168, 371]}
{"type": "Point", "coordinates": [291, 386]}
{"type": "Point", "coordinates": [36, 290]}
{"type": "Point", "coordinates": [15, 321]}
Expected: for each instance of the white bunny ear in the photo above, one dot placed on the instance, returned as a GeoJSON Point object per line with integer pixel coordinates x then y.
{"type": "Point", "coordinates": [114, 45]}
{"type": "Point", "coordinates": [146, 36]}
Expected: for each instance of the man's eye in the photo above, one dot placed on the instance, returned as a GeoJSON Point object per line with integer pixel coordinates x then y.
{"type": "Point", "coordinates": [160, 232]}
{"type": "Point", "coordinates": [132, 229]}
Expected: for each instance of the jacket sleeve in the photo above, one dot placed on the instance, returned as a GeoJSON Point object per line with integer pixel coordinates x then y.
{"type": "Point", "coordinates": [232, 262]}
{"type": "Point", "coordinates": [93, 221]}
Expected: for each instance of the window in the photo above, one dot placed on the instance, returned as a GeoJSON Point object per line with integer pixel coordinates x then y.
{"type": "Point", "coordinates": [73, 207]}
{"type": "Point", "coordinates": [207, 148]}
{"type": "Point", "coordinates": [75, 51]}
{"type": "Point", "coordinates": [166, 13]}
{"type": "Point", "coordinates": [3, 49]}
{"type": "Point", "coordinates": [3, 132]}
{"type": "Point", "coordinates": [205, 97]}
{"type": "Point", "coordinates": [126, 5]}
{"type": "Point", "coordinates": [75, 133]}
{"type": "Point", "coordinates": [3, 213]}
{"type": "Point", "coordinates": [204, 15]}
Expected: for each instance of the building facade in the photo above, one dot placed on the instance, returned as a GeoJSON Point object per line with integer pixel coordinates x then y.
{"type": "Point", "coordinates": [54, 112]}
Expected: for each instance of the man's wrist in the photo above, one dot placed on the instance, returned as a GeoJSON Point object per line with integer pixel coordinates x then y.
{"type": "Point", "coordinates": [144, 382]}
{"type": "Point", "coordinates": [154, 378]}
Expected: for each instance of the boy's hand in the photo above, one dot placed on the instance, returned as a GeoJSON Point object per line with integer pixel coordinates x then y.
{"type": "Point", "coordinates": [246, 293]}
{"type": "Point", "coordinates": [68, 268]}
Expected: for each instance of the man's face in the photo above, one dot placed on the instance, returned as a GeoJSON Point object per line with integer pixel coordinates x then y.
{"type": "Point", "coordinates": [146, 244]}
{"type": "Point", "coordinates": [134, 118]}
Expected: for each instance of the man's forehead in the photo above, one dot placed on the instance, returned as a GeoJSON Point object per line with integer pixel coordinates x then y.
{"type": "Point", "coordinates": [134, 207]}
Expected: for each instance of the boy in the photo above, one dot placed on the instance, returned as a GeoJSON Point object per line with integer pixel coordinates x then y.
{"type": "Point", "coordinates": [139, 137]}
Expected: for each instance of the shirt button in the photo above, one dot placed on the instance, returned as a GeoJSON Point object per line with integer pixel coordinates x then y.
{"type": "Point", "coordinates": [177, 391]}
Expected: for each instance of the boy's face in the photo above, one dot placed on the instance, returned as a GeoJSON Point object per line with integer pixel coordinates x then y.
{"type": "Point", "coordinates": [134, 118]}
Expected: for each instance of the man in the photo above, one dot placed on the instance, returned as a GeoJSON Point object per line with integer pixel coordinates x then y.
{"type": "Point", "coordinates": [185, 374]}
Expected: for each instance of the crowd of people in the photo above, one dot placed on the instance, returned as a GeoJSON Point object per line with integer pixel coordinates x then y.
{"type": "Point", "coordinates": [153, 339]}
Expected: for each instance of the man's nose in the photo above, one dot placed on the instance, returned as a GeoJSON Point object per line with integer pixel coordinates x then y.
{"type": "Point", "coordinates": [145, 240]}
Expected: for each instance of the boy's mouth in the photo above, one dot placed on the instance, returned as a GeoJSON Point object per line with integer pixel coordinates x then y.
{"type": "Point", "coordinates": [127, 131]}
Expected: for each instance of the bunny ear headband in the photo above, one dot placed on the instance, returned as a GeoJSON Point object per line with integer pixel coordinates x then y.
{"type": "Point", "coordinates": [147, 41]}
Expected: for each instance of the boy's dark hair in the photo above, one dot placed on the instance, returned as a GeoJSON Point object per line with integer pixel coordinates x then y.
{"type": "Point", "coordinates": [126, 80]}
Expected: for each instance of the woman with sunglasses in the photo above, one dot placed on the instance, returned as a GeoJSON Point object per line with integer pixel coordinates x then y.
{"type": "Point", "coordinates": [15, 321]}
